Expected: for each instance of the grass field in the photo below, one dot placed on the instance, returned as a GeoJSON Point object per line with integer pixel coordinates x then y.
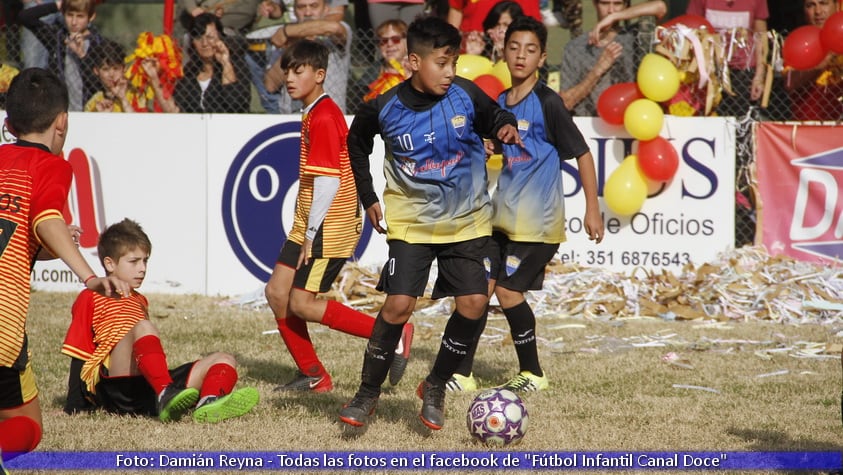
{"type": "Point", "coordinates": [618, 384]}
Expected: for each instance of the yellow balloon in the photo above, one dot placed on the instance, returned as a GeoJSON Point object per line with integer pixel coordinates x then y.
{"type": "Point", "coordinates": [658, 78]}
{"type": "Point", "coordinates": [501, 71]}
{"type": "Point", "coordinates": [643, 119]}
{"type": "Point", "coordinates": [626, 189]}
{"type": "Point", "coordinates": [470, 66]}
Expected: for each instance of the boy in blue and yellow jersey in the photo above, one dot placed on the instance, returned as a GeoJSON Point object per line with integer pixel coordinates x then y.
{"type": "Point", "coordinates": [529, 208]}
{"type": "Point", "coordinates": [326, 227]}
{"type": "Point", "coordinates": [437, 207]}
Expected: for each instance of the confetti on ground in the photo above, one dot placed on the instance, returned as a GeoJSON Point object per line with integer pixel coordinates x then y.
{"type": "Point", "coordinates": [744, 284]}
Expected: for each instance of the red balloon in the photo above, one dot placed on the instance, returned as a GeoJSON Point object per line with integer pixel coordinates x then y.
{"type": "Point", "coordinates": [691, 21]}
{"type": "Point", "coordinates": [490, 84]}
{"type": "Point", "coordinates": [831, 35]}
{"type": "Point", "coordinates": [613, 101]}
{"type": "Point", "coordinates": [657, 159]}
{"type": "Point", "coordinates": [803, 48]}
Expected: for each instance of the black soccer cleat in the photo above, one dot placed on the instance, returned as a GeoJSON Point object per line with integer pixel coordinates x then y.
{"type": "Point", "coordinates": [357, 411]}
{"type": "Point", "coordinates": [433, 405]}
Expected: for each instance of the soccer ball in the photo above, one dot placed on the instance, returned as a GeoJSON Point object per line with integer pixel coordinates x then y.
{"type": "Point", "coordinates": [497, 417]}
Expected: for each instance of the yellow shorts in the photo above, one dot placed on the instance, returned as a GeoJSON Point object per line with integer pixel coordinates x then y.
{"type": "Point", "coordinates": [17, 387]}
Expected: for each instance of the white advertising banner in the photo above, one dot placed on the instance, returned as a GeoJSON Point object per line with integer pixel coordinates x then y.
{"type": "Point", "coordinates": [216, 193]}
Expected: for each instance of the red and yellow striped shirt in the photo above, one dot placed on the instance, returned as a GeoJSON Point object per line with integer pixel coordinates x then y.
{"type": "Point", "coordinates": [33, 188]}
{"type": "Point", "coordinates": [98, 324]}
{"type": "Point", "coordinates": [324, 152]}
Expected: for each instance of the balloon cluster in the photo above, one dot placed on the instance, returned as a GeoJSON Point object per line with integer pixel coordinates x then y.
{"type": "Point", "coordinates": [635, 106]}
{"type": "Point", "coordinates": [492, 78]}
{"type": "Point", "coordinates": [807, 46]}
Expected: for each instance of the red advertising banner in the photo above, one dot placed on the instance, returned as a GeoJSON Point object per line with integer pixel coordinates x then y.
{"type": "Point", "coordinates": [800, 173]}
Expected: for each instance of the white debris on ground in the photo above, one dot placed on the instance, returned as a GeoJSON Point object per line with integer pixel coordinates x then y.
{"type": "Point", "coordinates": [744, 284]}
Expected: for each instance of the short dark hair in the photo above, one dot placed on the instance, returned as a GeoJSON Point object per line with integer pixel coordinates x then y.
{"type": "Point", "coordinates": [305, 53]}
{"type": "Point", "coordinates": [34, 100]}
{"type": "Point", "coordinates": [528, 23]}
{"type": "Point", "coordinates": [429, 33]}
{"type": "Point", "coordinates": [196, 26]}
{"type": "Point", "coordinates": [494, 15]}
{"type": "Point", "coordinates": [120, 238]}
{"type": "Point", "coordinates": [107, 53]}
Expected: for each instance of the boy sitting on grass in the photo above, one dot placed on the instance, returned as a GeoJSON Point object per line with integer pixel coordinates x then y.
{"type": "Point", "coordinates": [117, 359]}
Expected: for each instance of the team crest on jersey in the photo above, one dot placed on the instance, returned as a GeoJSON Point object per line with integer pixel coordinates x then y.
{"type": "Point", "coordinates": [523, 125]}
{"type": "Point", "coordinates": [458, 122]}
{"type": "Point", "coordinates": [512, 264]}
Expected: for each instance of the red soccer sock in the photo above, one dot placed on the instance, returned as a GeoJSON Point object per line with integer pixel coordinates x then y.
{"type": "Point", "coordinates": [18, 435]}
{"type": "Point", "coordinates": [347, 320]}
{"type": "Point", "coordinates": [152, 362]}
{"type": "Point", "coordinates": [294, 333]}
{"type": "Point", "coordinates": [219, 380]}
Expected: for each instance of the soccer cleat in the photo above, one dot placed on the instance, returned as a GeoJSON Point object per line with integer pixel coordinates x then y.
{"type": "Point", "coordinates": [525, 382]}
{"type": "Point", "coordinates": [402, 355]}
{"type": "Point", "coordinates": [174, 401]}
{"type": "Point", "coordinates": [303, 382]}
{"type": "Point", "coordinates": [433, 405]}
{"type": "Point", "coordinates": [458, 383]}
{"type": "Point", "coordinates": [357, 411]}
{"type": "Point", "coordinates": [215, 409]}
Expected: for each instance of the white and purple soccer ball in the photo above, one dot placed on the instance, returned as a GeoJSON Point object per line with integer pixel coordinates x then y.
{"type": "Point", "coordinates": [497, 417]}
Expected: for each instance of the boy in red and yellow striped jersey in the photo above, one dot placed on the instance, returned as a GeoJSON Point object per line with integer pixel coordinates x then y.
{"type": "Point", "coordinates": [325, 231]}
{"type": "Point", "coordinates": [118, 362]}
{"type": "Point", "coordinates": [34, 182]}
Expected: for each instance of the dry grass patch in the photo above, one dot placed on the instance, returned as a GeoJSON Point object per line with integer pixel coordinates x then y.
{"type": "Point", "coordinates": [611, 388]}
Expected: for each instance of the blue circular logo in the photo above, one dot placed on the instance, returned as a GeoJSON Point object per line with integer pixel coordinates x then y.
{"type": "Point", "coordinates": [259, 196]}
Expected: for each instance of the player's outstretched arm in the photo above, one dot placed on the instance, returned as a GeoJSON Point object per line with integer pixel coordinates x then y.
{"type": "Point", "coordinates": [54, 234]}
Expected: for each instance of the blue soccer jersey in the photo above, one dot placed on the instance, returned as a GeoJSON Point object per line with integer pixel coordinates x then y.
{"type": "Point", "coordinates": [436, 183]}
{"type": "Point", "coordinates": [529, 200]}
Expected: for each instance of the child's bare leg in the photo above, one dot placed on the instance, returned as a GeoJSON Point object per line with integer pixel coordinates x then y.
{"type": "Point", "coordinates": [123, 361]}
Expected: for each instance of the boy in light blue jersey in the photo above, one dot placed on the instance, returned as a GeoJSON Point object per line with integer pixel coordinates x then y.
{"type": "Point", "coordinates": [529, 208]}
{"type": "Point", "coordinates": [437, 207]}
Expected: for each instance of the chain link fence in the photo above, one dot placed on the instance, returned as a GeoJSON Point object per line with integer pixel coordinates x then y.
{"type": "Point", "coordinates": [789, 95]}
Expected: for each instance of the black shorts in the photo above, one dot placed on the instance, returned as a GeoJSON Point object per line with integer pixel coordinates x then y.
{"type": "Point", "coordinates": [17, 387]}
{"type": "Point", "coordinates": [463, 268]}
{"type": "Point", "coordinates": [315, 276]}
{"type": "Point", "coordinates": [132, 394]}
{"type": "Point", "coordinates": [520, 266]}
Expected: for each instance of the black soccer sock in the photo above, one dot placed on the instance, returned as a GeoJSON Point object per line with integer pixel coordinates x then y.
{"type": "Point", "coordinates": [380, 352]}
{"type": "Point", "coordinates": [522, 327]}
{"type": "Point", "coordinates": [456, 341]}
{"type": "Point", "coordinates": [467, 362]}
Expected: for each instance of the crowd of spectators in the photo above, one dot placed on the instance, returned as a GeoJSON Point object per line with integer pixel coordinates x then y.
{"type": "Point", "coordinates": [230, 57]}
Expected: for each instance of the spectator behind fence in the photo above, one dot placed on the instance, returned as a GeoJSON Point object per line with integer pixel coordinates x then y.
{"type": "Point", "coordinates": [313, 23]}
{"type": "Point", "coordinates": [215, 75]}
{"type": "Point", "coordinates": [35, 55]}
{"type": "Point", "coordinates": [608, 55]}
{"type": "Point", "coordinates": [404, 10]}
{"type": "Point", "coordinates": [391, 36]}
{"type": "Point", "coordinates": [236, 16]}
{"type": "Point", "coordinates": [116, 92]}
{"type": "Point", "coordinates": [817, 94]}
{"type": "Point", "coordinates": [262, 54]}
{"type": "Point", "coordinates": [468, 15]}
{"type": "Point", "coordinates": [68, 42]}
{"type": "Point", "coordinates": [490, 43]}
{"type": "Point", "coordinates": [744, 23]}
